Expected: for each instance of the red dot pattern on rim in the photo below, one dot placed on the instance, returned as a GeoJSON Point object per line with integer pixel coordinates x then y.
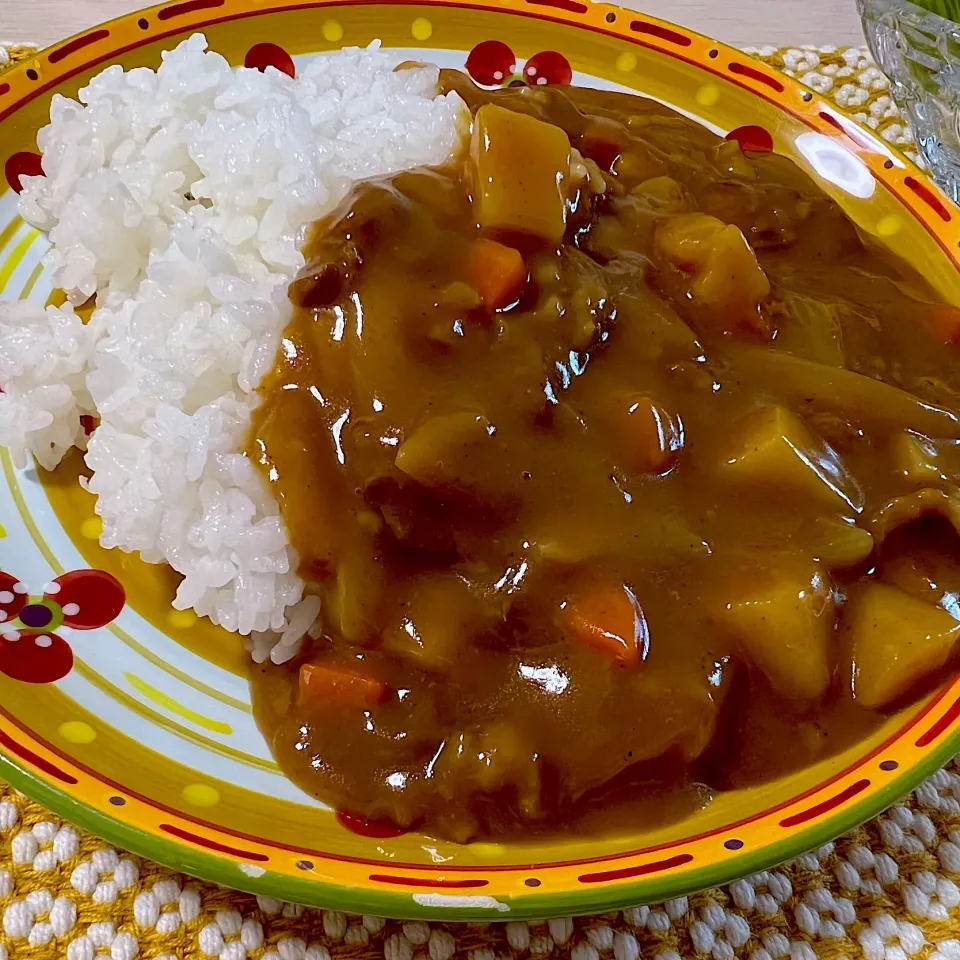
{"type": "Point", "coordinates": [547, 67]}
{"type": "Point", "coordinates": [491, 63]}
{"type": "Point", "coordinates": [264, 55]}
{"type": "Point", "coordinates": [22, 165]}
{"type": "Point", "coordinates": [26, 660]}
{"type": "Point", "coordinates": [925, 739]}
{"type": "Point", "coordinates": [827, 805]}
{"type": "Point", "coordinates": [741, 69]}
{"type": "Point", "coordinates": [375, 829]}
{"type": "Point", "coordinates": [571, 6]}
{"type": "Point", "coordinates": [660, 32]}
{"type": "Point", "coordinates": [68, 49]}
{"type": "Point", "coordinates": [213, 844]}
{"type": "Point", "coordinates": [928, 197]}
{"type": "Point", "coordinates": [98, 594]}
{"type": "Point", "coordinates": [755, 139]}
{"type": "Point", "coordinates": [832, 120]}
{"type": "Point", "coordinates": [191, 6]}
{"type": "Point", "coordinates": [850, 131]}
{"type": "Point", "coordinates": [25, 753]}
{"type": "Point", "coordinates": [640, 871]}
{"type": "Point", "coordinates": [438, 884]}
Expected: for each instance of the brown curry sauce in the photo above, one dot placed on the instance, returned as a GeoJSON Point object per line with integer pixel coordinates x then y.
{"type": "Point", "coordinates": [609, 504]}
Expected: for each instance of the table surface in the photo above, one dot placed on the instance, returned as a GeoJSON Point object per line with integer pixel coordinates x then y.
{"type": "Point", "coordinates": [780, 22]}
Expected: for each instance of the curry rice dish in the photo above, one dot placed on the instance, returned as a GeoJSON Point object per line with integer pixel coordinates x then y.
{"type": "Point", "coordinates": [603, 455]}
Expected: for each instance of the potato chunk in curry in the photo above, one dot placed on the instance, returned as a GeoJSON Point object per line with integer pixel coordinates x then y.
{"type": "Point", "coordinates": [724, 276]}
{"type": "Point", "coordinates": [895, 641]}
{"type": "Point", "coordinates": [783, 625]}
{"type": "Point", "coordinates": [527, 196]}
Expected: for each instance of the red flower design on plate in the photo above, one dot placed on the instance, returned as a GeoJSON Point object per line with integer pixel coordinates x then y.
{"type": "Point", "coordinates": [30, 650]}
{"type": "Point", "coordinates": [493, 64]}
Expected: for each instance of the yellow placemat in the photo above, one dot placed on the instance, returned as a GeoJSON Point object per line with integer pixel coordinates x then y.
{"type": "Point", "coordinates": [888, 891]}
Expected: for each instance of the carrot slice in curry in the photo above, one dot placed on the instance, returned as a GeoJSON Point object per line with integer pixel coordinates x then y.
{"type": "Point", "coordinates": [652, 438]}
{"type": "Point", "coordinates": [321, 684]}
{"type": "Point", "coordinates": [608, 618]}
{"type": "Point", "coordinates": [945, 323]}
{"type": "Point", "coordinates": [496, 272]}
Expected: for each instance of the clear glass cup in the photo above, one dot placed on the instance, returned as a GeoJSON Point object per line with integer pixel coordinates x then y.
{"type": "Point", "coordinates": [918, 47]}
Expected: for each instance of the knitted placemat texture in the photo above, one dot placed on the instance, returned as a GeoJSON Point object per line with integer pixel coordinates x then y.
{"type": "Point", "coordinates": [887, 891]}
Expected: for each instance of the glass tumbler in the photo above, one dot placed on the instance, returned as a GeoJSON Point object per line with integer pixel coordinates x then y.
{"type": "Point", "coordinates": [917, 45]}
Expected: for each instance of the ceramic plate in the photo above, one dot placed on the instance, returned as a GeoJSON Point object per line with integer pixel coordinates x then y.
{"type": "Point", "coordinates": [149, 740]}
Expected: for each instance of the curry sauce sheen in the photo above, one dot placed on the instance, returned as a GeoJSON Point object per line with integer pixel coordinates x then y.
{"type": "Point", "coordinates": [616, 458]}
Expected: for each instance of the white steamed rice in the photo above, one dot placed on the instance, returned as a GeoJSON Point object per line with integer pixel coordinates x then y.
{"type": "Point", "coordinates": [180, 198]}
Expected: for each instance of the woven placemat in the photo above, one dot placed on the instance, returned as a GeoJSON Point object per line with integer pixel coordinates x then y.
{"type": "Point", "coordinates": [887, 891]}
